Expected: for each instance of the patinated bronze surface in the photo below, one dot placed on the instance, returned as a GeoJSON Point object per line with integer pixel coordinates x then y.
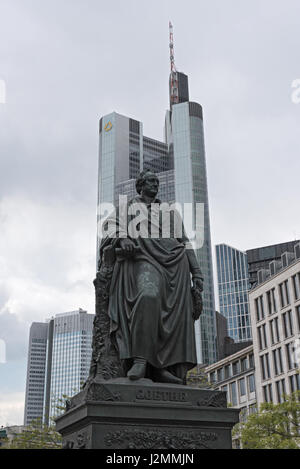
{"type": "Point", "coordinates": [146, 303]}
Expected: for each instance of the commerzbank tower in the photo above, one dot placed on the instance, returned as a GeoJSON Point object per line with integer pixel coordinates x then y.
{"type": "Point", "coordinates": [179, 162]}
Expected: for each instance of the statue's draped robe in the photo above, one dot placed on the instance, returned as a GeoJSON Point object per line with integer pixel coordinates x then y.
{"type": "Point", "coordinates": [150, 303]}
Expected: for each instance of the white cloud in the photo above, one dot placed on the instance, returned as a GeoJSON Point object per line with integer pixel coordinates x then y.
{"type": "Point", "coordinates": [48, 251]}
{"type": "Point", "coordinates": [12, 408]}
{"type": "Point", "coordinates": [47, 264]}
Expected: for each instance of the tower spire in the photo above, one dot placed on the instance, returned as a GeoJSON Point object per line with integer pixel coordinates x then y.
{"type": "Point", "coordinates": [174, 96]}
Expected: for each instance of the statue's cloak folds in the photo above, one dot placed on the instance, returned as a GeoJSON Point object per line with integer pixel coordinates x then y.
{"type": "Point", "coordinates": [150, 304]}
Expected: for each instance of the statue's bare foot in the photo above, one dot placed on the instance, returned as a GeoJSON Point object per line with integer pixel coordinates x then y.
{"type": "Point", "coordinates": [164, 376]}
{"type": "Point", "coordinates": [138, 370]}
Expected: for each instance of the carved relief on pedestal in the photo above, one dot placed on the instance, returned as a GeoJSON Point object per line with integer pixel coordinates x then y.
{"type": "Point", "coordinates": [216, 400]}
{"type": "Point", "coordinates": [147, 439]}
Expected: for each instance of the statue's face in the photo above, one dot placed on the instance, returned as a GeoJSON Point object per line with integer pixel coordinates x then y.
{"type": "Point", "coordinates": [151, 185]}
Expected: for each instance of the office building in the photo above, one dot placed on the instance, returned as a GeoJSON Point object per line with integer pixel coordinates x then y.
{"type": "Point", "coordinates": [237, 273]}
{"type": "Point", "coordinates": [235, 375]}
{"type": "Point", "coordinates": [233, 287]}
{"type": "Point", "coordinates": [69, 354]}
{"type": "Point", "coordinates": [59, 359]}
{"type": "Point", "coordinates": [260, 258]}
{"type": "Point", "coordinates": [225, 344]}
{"type": "Point", "coordinates": [275, 319]}
{"type": "Point", "coordinates": [180, 165]}
{"type": "Point", "coordinates": [36, 366]}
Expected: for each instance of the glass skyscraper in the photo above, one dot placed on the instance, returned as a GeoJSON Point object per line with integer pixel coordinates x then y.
{"type": "Point", "coordinates": [233, 286]}
{"type": "Point", "coordinates": [179, 163]}
{"type": "Point", "coordinates": [69, 354]}
{"type": "Point", "coordinates": [36, 366]}
{"type": "Point", "coordinates": [59, 359]}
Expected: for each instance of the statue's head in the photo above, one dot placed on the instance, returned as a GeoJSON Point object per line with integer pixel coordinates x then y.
{"type": "Point", "coordinates": [147, 183]}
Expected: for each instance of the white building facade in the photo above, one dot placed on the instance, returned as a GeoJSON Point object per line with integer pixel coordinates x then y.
{"type": "Point", "coordinates": [235, 375]}
{"type": "Point", "coordinates": [275, 320]}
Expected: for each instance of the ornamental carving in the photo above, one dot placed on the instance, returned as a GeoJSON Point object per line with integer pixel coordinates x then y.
{"type": "Point", "coordinates": [79, 440]}
{"type": "Point", "coordinates": [216, 400]}
{"type": "Point", "coordinates": [105, 363]}
{"type": "Point", "coordinates": [98, 392]}
{"type": "Point", "coordinates": [138, 439]}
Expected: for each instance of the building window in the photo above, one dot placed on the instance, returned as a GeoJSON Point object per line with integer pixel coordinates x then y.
{"type": "Point", "coordinates": [233, 393]}
{"type": "Point", "coordinates": [287, 324]}
{"type": "Point", "coordinates": [270, 392]}
{"type": "Point", "coordinates": [265, 366]}
{"type": "Point", "coordinates": [274, 331]}
{"type": "Point", "coordinates": [294, 383]}
{"type": "Point", "coordinates": [277, 360]}
{"type": "Point", "coordinates": [280, 390]}
{"type": "Point", "coordinates": [298, 316]}
{"type": "Point", "coordinates": [265, 342]}
{"type": "Point", "coordinates": [252, 409]}
{"type": "Point", "coordinates": [220, 374]}
{"type": "Point", "coordinates": [259, 335]}
{"type": "Point", "coordinates": [271, 325]}
{"type": "Point", "coordinates": [296, 285]}
{"type": "Point", "coordinates": [259, 305]}
{"type": "Point", "coordinates": [284, 293]}
{"type": "Point", "coordinates": [228, 373]}
{"type": "Point", "coordinates": [290, 356]}
{"type": "Point", "coordinates": [235, 368]}
{"type": "Point", "coordinates": [242, 387]}
{"type": "Point", "coordinates": [244, 364]}
{"type": "Point", "coordinates": [267, 393]}
{"type": "Point", "coordinates": [251, 360]}
{"type": "Point", "coordinates": [251, 383]}
{"type": "Point", "coordinates": [262, 337]}
{"type": "Point", "coordinates": [272, 307]}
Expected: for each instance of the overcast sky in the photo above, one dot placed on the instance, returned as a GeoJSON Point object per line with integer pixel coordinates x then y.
{"type": "Point", "coordinates": [68, 62]}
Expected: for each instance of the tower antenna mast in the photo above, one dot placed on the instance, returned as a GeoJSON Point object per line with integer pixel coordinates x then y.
{"type": "Point", "coordinates": [174, 97]}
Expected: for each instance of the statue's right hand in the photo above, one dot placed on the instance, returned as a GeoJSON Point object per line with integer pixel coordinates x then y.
{"type": "Point", "coordinates": [127, 245]}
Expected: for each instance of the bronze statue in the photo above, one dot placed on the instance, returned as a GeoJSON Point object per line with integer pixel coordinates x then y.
{"type": "Point", "coordinates": [146, 304]}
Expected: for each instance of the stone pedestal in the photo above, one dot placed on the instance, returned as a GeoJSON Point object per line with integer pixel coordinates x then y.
{"type": "Point", "coordinates": [121, 414]}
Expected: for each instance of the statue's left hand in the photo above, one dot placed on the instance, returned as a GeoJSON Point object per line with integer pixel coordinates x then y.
{"type": "Point", "coordinates": [198, 283]}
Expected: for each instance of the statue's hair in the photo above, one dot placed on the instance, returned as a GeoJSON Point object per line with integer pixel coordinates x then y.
{"type": "Point", "coordinates": [141, 179]}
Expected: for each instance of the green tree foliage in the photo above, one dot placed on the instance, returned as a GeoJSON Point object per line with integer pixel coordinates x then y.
{"type": "Point", "coordinates": [197, 378]}
{"type": "Point", "coordinates": [35, 436]}
{"type": "Point", "coordinates": [275, 426]}
{"type": "Point", "coordinates": [59, 403]}
{"type": "Point", "coordinates": [3, 442]}
{"type": "Point", "coordinates": [38, 435]}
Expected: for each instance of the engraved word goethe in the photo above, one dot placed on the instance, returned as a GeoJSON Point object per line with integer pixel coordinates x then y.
{"type": "Point", "coordinates": [296, 93]}
{"type": "Point", "coordinates": [171, 396]}
{"type": "Point", "coordinates": [2, 92]}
